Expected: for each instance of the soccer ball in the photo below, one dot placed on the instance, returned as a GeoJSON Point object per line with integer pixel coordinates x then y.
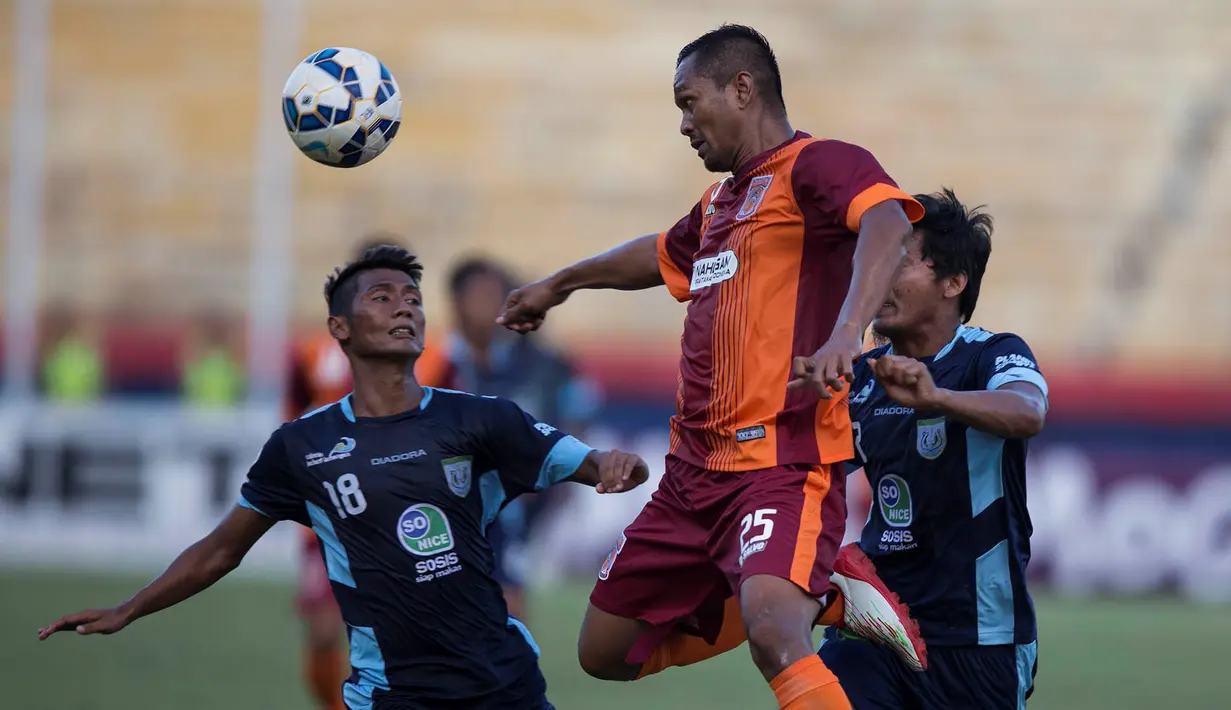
{"type": "Point", "coordinates": [342, 107]}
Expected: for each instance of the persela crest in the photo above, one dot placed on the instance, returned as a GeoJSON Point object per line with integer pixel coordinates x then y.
{"type": "Point", "coordinates": [757, 188]}
{"type": "Point", "coordinates": [457, 474]}
{"type": "Point", "coordinates": [930, 438]}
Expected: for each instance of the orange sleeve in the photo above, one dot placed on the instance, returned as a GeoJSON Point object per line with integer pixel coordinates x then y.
{"type": "Point", "coordinates": [677, 282]}
{"type": "Point", "coordinates": [430, 368]}
{"type": "Point", "coordinates": [876, 194]}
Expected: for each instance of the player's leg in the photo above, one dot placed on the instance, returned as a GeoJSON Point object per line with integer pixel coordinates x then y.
{"type": "Point", "coordinates": [871, 675]}
{"type": "Point", "coordinates": [605, 642]}
{"type": "Point", "coordinates": [777, 540]}
{"type": "Point", "coordinates": [979, 677]}
{"type": "Point", "coordinates": [659, 599]}
{"type": "Point", "coordinates": [620, 648]}
{"type": "Point", "coordinates": [325, 661]}
{"type": "Point", "coordinates": [866, 607]}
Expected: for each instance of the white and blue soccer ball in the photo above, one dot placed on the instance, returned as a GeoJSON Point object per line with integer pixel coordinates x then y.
{"type": "Point", "coordinates": [342, 107]}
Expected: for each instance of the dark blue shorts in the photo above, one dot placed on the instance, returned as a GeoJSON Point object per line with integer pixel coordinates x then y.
{"type": "Point", "coordinates": [957, 678]}
{"type": "Point", "coordinates": [529, 693]}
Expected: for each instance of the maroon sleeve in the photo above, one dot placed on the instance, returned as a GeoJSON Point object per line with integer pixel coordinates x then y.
{"type": "Point", "coordinates": [298, 390]}
{"type": "Point", "coordinates": [676, 249]}
{"type": "Point", "coordinates": [837, 182]}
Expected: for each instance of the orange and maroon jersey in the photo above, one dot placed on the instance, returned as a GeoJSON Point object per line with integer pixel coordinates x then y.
{"type": "Point", "coordinates": [320, 374]}
{"type": "Point", "coordinates": [764, 260]}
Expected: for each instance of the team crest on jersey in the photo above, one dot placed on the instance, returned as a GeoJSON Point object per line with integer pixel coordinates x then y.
{"type": "Point", "coordinates": [930, 438]}
{"type": "Point", "coordinates": [457, 473]}
{"type": "Point", "coordinates": [605, 570]}
{"type": "Point", "coordinates": [756, 192]}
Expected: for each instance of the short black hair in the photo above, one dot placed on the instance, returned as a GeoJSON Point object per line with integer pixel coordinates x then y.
{"type": "Point", "coordinates": [722, 53]}
{"type": "Point", "coordinates": [957, 240]}
{"type": "Point", "coordinates": [341, 287]}
{"type": "Point", "coordinates": [469, 268]}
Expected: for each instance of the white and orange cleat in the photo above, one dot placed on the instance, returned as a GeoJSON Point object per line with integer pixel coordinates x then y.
{"type": "Point", "coordinates": [873, 612]}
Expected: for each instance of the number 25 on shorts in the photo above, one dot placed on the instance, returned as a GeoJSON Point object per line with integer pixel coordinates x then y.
{"type": "Point", "coordinates": [761, 520]}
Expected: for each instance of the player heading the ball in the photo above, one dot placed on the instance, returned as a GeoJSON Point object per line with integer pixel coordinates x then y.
{"type": "Point", "coordinates": [399, 482]}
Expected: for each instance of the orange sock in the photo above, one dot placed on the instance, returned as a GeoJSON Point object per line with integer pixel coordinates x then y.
{"type": "Point", "coordinates": [326, 670]}
{"type": "Point", "coordinates": [832, 614]}
{"type": "Point", "coordinates": [809, 685]}
{"type": "Point", "coordinates": [681, 649]}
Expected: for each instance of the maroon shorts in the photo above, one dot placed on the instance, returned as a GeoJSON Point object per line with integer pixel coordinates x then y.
{"type": "Point", "coordinates": [314, 594]}
{"type": "Point", "coordinates": [704, 532]}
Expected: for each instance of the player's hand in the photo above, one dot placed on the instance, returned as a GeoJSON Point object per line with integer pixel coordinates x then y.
{"type": "Point", "coordinates": [90, 621]}
{"type": "Point", "coordinates": [619, 472]}
{"type": "Point", "coordinates": [526, 307]}
{"type": "Point", "coordinates": [831, 368]}
{"type": "Point", "coordinates": [907, 381]}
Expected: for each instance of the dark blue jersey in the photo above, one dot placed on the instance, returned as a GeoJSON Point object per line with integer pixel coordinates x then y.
{"type": "Point", "coordinates": [948, 529]}
{"type": "Point", "coordinates": [400, 505]}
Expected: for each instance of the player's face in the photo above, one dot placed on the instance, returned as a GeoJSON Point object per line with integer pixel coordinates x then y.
{"type": "Point", "coordinates": [387, 320]}
{"type": "Point", "coordinates": [916, 296]}
{"type": "Point", "coordinates": [710, 117]}
{"type": "Point", "coordinates": [478, 304]}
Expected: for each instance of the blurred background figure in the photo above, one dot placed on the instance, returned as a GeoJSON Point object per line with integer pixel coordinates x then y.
{"type": "Point", "coordinates": [212, 372]}
{"type": "Point", "coordinates": [73, 366]}
{"type": "Point", "coordinates": [486, 359]}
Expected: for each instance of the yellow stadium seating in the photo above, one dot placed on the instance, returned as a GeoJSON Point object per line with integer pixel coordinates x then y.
{"type": "Point", "coordinates": [542, 131]}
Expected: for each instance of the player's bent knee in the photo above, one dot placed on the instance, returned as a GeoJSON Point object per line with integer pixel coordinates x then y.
{"type": "Point", "coordinates": [778, 618]}
{"type": "Point", "coordinates": [602, 664]}
{"type": "Point", "coordinates": [604, 643]}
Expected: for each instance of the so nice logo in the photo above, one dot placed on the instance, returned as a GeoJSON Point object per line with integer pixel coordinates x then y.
{"type": "Point", "coordinates": [894, 500]}
{"type": "Point", "coordinates": [424, 530]}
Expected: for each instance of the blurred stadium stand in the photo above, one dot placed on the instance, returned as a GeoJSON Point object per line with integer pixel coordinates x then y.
{"type": "Point", "coordinates": [545, 131]}
{"type": "Point", "coordinates": [1096, 133]}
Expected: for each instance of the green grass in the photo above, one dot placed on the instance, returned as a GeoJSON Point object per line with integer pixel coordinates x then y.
{"type": "Point", "coordinates": [237, 647]}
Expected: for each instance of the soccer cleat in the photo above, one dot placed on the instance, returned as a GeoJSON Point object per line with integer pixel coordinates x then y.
{"type": "Point", "coordinates": [873, 612]}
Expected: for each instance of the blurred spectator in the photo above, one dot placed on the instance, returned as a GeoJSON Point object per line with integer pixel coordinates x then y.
{"type": "Point", "coordinates": [211, 374]}
{"type": "Point", "coordinates": [73, 367]}
{"type": "Point", "coordinates": [487, 359]}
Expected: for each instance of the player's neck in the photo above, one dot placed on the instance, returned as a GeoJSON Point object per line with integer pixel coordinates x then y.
{"type": "Point", "coordinates": [769, 132]}
{"type": "Point", "coordinates": [926, 341]}
{"type": "Point", "coordinates": [384, 389]}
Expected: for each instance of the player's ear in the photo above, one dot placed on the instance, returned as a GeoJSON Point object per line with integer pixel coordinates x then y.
{"type": "Point", "coordinates": [954, 285]}
{"type": "Point", "coordinates": [339, 328]}
{"type": "Point", "coordinates": [744, 88]}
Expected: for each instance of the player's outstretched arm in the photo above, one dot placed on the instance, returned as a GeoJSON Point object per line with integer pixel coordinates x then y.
{"type": "Point", "coordinates": [205, 562]}
{"type": "Point", "coordinates": [612, 471]}
{"type": "Point", "coordinates": [632, 266]}
{"type": "Point", "coordinates": [879, 252]}
{"type": "Point", "coordinates": [1016, 410]}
